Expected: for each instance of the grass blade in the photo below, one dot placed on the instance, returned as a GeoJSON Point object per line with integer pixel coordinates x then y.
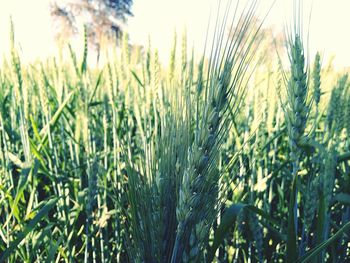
{"type": "Point", "coordinates": [28, 228]}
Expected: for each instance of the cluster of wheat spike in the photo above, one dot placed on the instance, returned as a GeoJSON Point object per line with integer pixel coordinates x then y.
{"type": "Point", "coordinates": [229, 158]}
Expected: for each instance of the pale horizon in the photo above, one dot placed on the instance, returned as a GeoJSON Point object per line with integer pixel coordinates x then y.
{"type": "Point", "coordinates": [158, 19]}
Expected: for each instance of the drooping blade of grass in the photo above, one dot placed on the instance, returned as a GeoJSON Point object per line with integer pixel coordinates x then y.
{"type": "Point", "coordinates": [229, 220]}
{"type": "Point", "coordinates": [342, 198]}
{"type": "Point", "coordinates": [98, 82]}
{"type": "Point", "coordinates": [28, 228]}
{"type": "Point", "coordinates": [137, 78]}
{"type": "Point", "coordinates": [343, 157]}
{"type": "Point", "coordinates": [43, 133]}
{"type": "Point", "coordinates": [262, 213]}
{"type": "Point", "coordinates": [23, 179]}
{"type": "Point", "coordinates": [54, 247]}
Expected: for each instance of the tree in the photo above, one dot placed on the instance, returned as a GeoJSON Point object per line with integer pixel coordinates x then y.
{"type": "Point", "coordinates": [268, 41]}
{"type": "Point", "coordinates": [103, 18]}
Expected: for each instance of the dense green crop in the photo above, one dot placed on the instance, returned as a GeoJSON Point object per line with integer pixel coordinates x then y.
{"type": "Point", "coordinates": [225, 159]}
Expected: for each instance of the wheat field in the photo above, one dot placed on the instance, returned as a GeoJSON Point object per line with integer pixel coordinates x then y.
{"type": "Point", "coordinates": [232, 157]}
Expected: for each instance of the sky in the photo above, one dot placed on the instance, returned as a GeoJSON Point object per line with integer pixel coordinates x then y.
{"type": "Point", "coordinates": [158, 19]}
